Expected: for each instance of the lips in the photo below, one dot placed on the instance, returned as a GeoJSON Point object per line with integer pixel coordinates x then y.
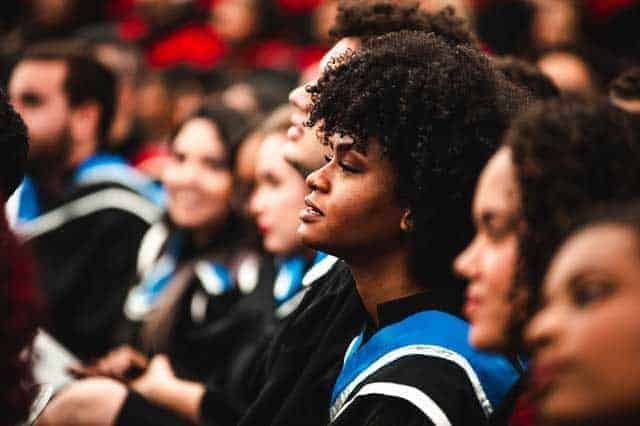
{"type": "Point", "coordinates": [544, 376]}
{"type": "Point", "coordinates": [310, 213]}
{"type": "Point", "coordinates": [472, 303]}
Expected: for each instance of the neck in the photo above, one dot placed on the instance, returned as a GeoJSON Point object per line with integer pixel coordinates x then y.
{"type": "Point", "coordinates": [383, 277]}
{"type": "Point", "coordinates": [81, 152]}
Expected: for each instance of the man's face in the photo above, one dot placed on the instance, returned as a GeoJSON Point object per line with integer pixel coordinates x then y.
{"type": "Point", "coordinates": [303, 150]}
{"type": "Point", "coordinates": [37, 93]}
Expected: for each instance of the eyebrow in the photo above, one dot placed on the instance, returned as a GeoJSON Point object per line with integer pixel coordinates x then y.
{"type": "Point", "coordinates": [347, 146]}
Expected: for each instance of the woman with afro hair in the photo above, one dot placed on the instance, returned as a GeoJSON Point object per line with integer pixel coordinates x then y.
{"type": "Point", "coordinates": [408, 122]}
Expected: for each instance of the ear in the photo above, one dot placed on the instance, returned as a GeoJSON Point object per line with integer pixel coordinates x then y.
{"type": "Point", "coordinates": [406, 222]}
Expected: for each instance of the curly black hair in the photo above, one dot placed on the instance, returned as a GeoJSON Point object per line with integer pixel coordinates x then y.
{"type": "Point", "coordinates": [627, 85]}
{"type": "Point", "coordinates": [527, 75]}
{"type": "Point", "coordinates": [366, 19]}
{"type": "Point", "coordinates": [438, 112]}
{"type": "Point", "coordinates": [570, 155]}
{"type": "Point", "coordinates": [14, 144]}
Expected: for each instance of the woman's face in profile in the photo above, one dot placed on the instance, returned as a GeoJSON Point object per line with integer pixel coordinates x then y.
{"type": "Point", "coordinates": [277, 198]}
{"type": "Point", "coordinates": [198, 180]}
{"type": "Point", "coordinates": [353, 210]}
{"type": "Point", "coordinates": [489, 261]}
{"type": "Point", "coordinates": [586, 336]}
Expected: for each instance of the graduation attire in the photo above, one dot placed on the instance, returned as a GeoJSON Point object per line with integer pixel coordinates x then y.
{"type": "Point", "coordinates": [417, 368]}
{"type": "Point", "coordinates": [293, 379]}
{"type": "Point", "coordinates": [85, 248]}
{"type": "Point", "coordinates": [233, 340]}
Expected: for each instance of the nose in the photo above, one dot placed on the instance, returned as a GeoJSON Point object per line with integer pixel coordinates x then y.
{"type": "Point", "coordinates": [300, 98]}
{"type": "Point", "coordinates": [318, 180]}
{"type": "Point", "coordinates": [465, 264]}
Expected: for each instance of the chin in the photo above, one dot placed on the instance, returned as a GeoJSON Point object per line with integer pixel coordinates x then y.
{"type": "Point", "coordinates": [486, 340]}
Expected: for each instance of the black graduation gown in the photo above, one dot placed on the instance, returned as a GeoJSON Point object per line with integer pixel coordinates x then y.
{"type": "Point", "coordinates": [85, 251]}
{"type": "Point", "coordinates": [293, 380]}
{"type": "Point", "coordinates": [440, 388]}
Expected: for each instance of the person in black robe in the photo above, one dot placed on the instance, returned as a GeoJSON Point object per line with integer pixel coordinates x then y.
{"type": "Point", "coordinates": [81, 212]}
{"type": "Point", "coordinates": [406, 138]}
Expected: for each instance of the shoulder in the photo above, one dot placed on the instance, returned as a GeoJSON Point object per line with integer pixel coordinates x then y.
{"type": "Point", "coordinates": [102, 205]}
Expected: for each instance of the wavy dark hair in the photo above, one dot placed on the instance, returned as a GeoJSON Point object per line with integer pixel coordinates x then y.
{"type": "Point", "coordinates": [438, 111]}
{"type": "Point", "coordinates": [570, 155]}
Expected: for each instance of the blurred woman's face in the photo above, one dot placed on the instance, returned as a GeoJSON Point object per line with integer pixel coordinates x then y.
{"type": "Point", "coordinates": [277, 198]}
{"type": "Point", "coordinates": [489, 262]}
{"type": "Point", "coordinates": [586, 337]}
{"type": "Point", "coordinates": [234, 20]}
{"type": "Point", "coordinates": [198, 179]}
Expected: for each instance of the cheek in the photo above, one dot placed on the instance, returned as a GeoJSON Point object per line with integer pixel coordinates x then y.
{"type": "Point", "coordinates": [491, 322]}
{"type": "Point", "coordinates": [606, 345]}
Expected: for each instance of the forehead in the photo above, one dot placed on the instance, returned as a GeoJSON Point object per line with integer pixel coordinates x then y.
{"type": "Point", "coordinates": [497, 186]}
{"type": "Point", "coordinates": [601, 248]}
{"type": "Point", "coordinates": [38, 75]}
{"type": "Point", "coordinates": [271, 154]}
{"type": "Point", "coordinates": [199, 136]}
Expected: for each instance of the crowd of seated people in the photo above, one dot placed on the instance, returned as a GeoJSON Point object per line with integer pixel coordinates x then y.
{"type": "Point", "coordinates": [306, 212]}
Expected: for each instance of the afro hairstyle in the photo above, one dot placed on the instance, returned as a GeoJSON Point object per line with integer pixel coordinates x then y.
{"type": "Point", "coordinates": [438, 112]}
{"type": "Point", "coordinates": [528, 76]}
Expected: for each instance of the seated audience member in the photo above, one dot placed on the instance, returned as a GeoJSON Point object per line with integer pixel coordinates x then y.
{"type": "Point", "coordinates": [558, 158]}
{"type": "Point", "coordinates": [298, 370]}
{"type": "Point", "coordinates": [228, 339]}
{"type": "Point", "coordinates": [189, 265]}
{"type": "Point", "coordinates": [81, 211]}
{"type": "Point", "coordinates": [584, 337]}
{"type": "Point", "coordinates": [407, 132]}
{"type": "Point", "coordinates": [528, 76]}
{"type": "Point", "coordinates": [569, 72]}
{"type": "Point", "coordinates": [624, 91]}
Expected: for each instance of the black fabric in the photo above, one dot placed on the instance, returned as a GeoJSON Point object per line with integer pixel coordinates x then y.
{"type": "Point", "coordinates": [137, 411]}
{"type": "Point", "coordinates": [85, 267]}
{"type": "Point", "coordinates": [441, 380]}
{"type": "Point", "coordinates": [502, 414]}
{"type": "Point", "coordinates": [293, 379]}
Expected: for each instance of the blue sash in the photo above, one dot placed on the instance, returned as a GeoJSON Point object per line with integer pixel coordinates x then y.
{"type": "Point", "coordinates": [101, 168]}
{"type": "Point", "coordinates": [429, 333]}
{"type": "Point", "coordinates": [215, 279]}
{"type": "Point", "coordinates": [28, 203]}
{"type": "Point", "coordinates": [290, 276]}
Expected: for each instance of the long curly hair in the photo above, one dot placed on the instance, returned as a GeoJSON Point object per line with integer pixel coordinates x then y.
{"type": "Point", "coordinates": [570, 156]}
{"type": "Point", "coordinates": [20, 310]}
{"type": "Point", "coordinates": [438, 110]}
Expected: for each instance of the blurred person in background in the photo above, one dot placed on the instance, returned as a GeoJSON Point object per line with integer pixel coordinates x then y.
{"type": "Point", "coordinates": [82, 212]}
{"type": "Point", "coordinates": [527, 76]}
{"type": "Point", "coordinates": [125, 61]}
{"type": "Point", "coordinates": [558, 159]}
{"type": "Point", "coordinates": [570, 72]}
{"type": "Point", "coordinates": [624, 91]}
{"type": "Point", "coordinates": [584, 360]}
{"type": "Point", "coordinates": [260, 92]}
{"type": "Point", "coordinates": [215, 398]}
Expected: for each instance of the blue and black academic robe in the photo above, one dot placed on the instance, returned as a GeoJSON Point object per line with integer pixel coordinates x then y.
{"type": "Point", "coordinates": [417, 368]}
